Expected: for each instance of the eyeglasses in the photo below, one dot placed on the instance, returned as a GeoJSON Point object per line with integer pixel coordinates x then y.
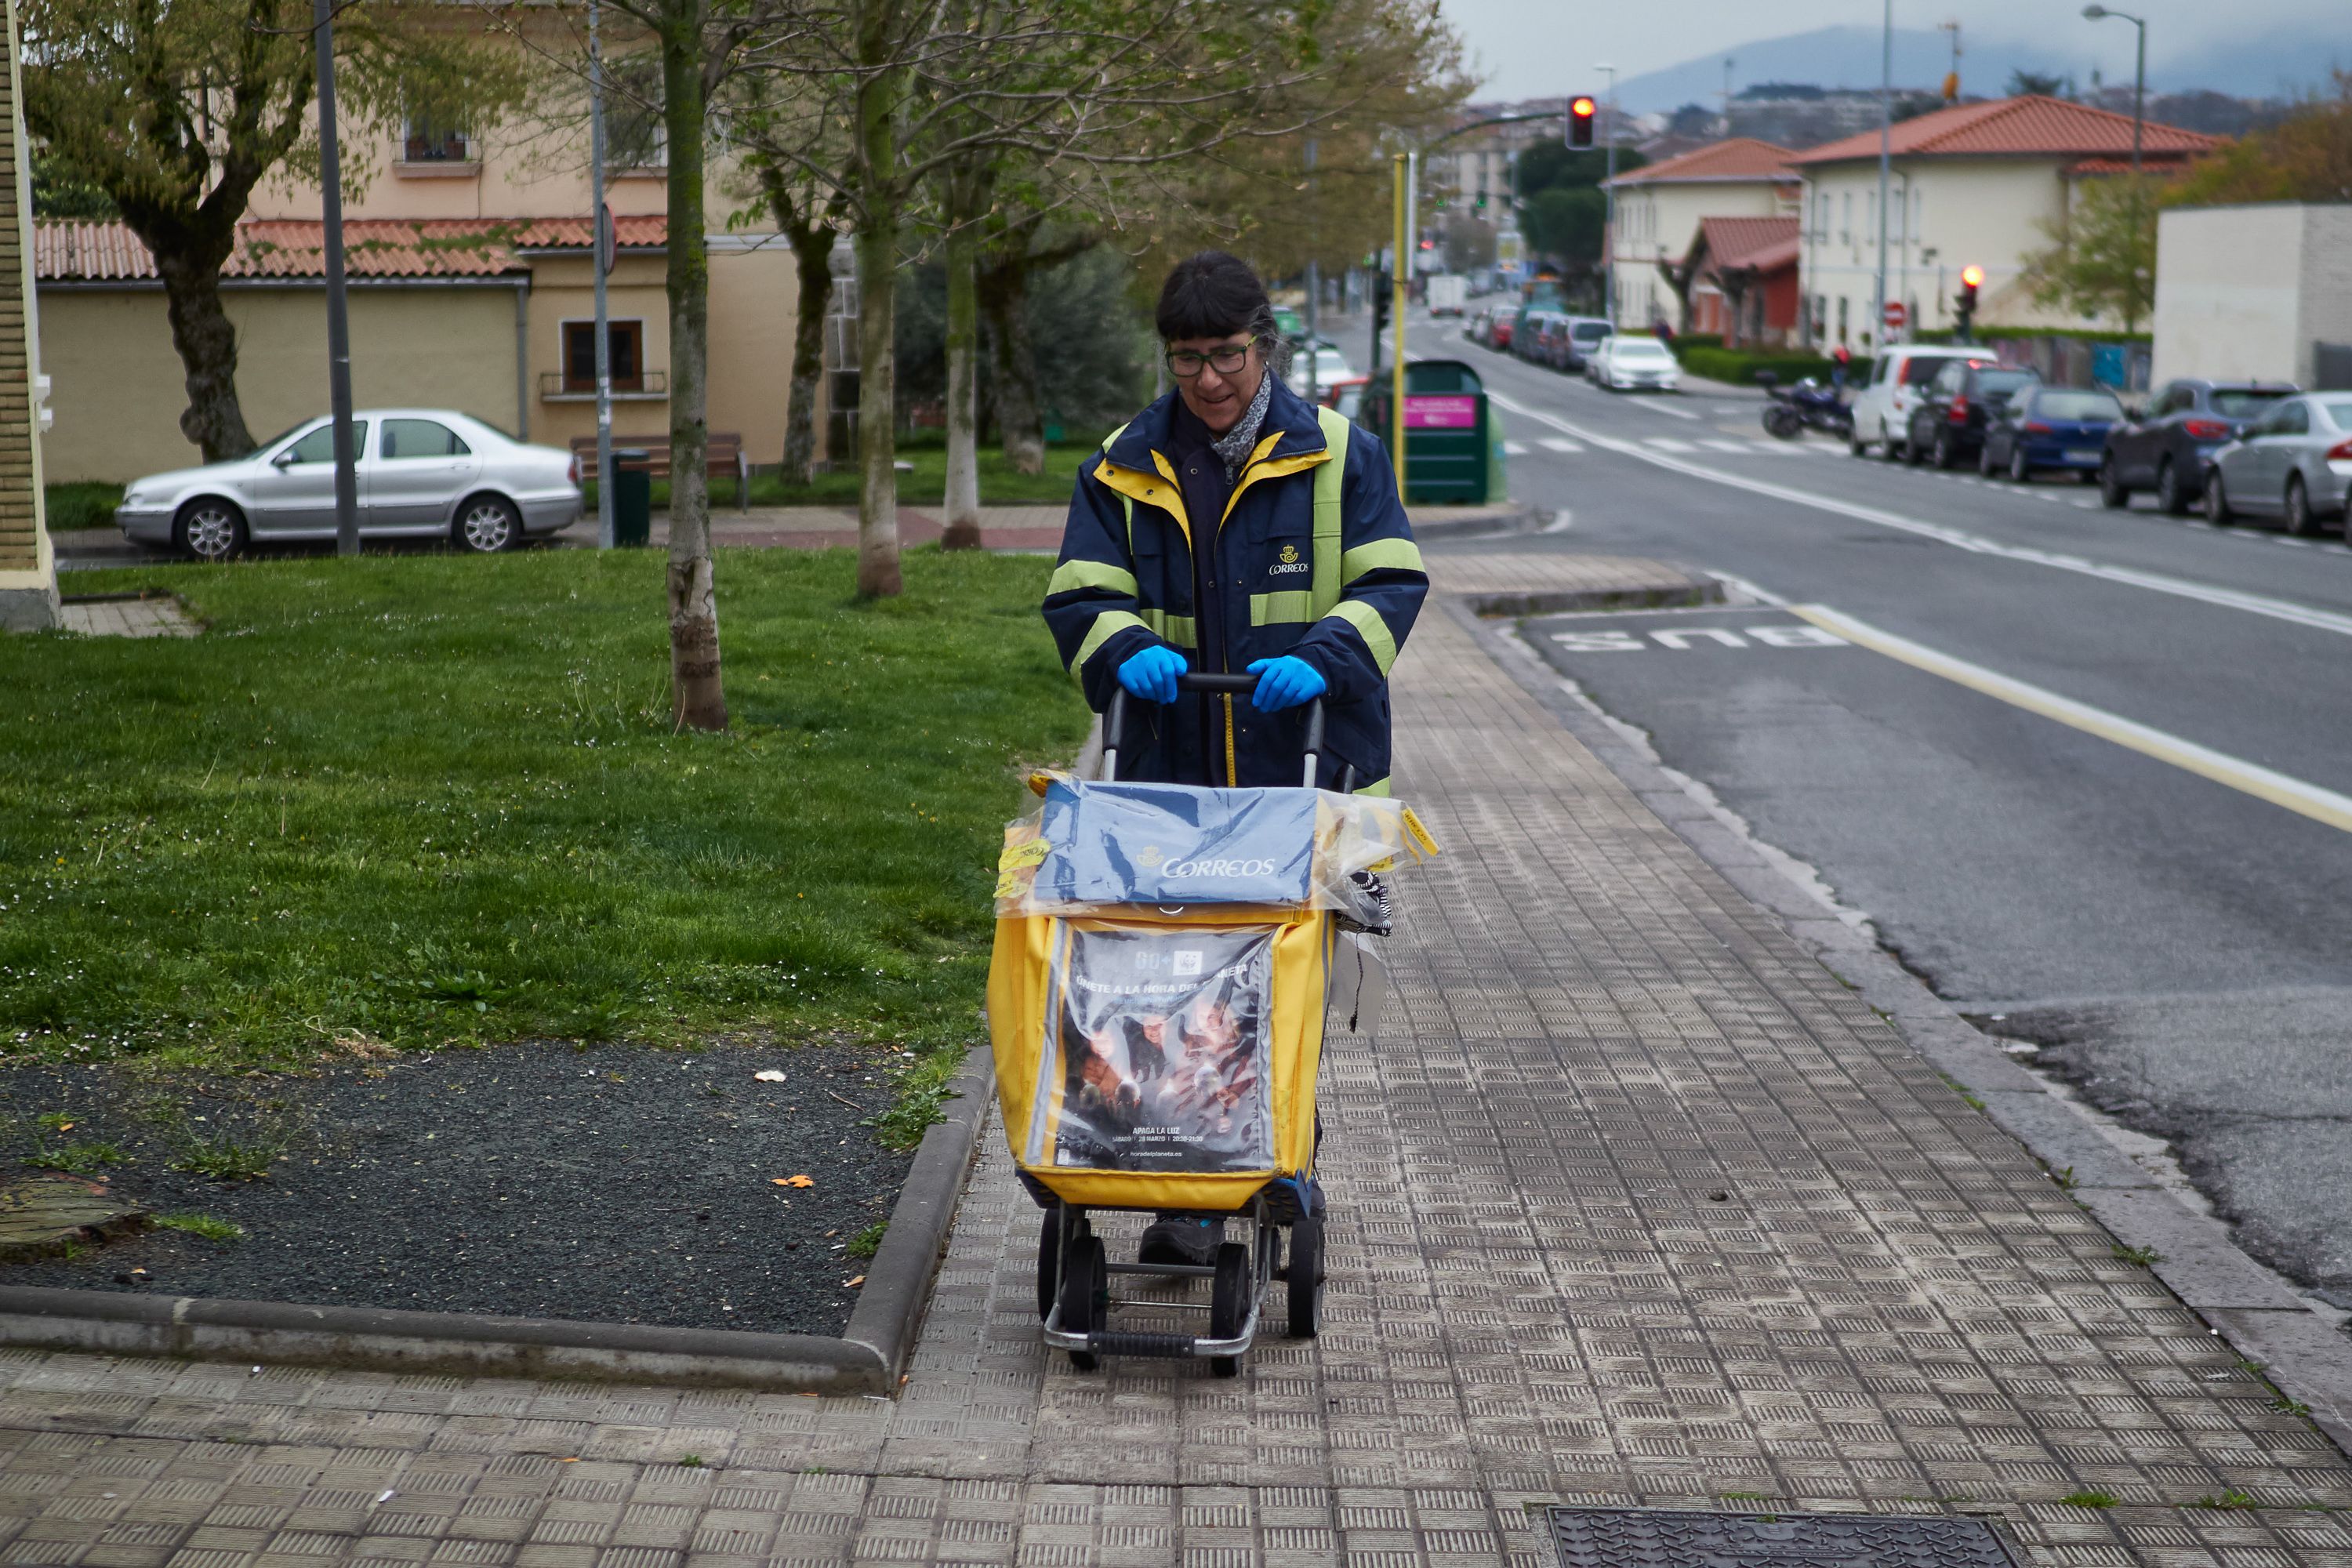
{"type": "Point", "coordinates": [1225, 359]}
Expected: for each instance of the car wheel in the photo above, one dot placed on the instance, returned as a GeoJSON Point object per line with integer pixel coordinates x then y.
{"type": "Point", "coordinates": [2018, 474]}
{"type": "Point", "coordinates": [1985, 465]}
{"type": "Point", "coordinates": [2217, 501]}
{"type": "Point", "coordinates": [1855, 445]}
{"type": "Point", "coordinates": [1940, 449]}
{"type": "Point", "coordinates": [1889, 447]}
{"type": "Point", "coordinates": [1913, 453]}
{"type": "Point", "coordinates": [2112, 493]}
{"type": "Point", "coordinates": [487, 524]}
{"type": "Point", "coordinates": [2170, 499]}
{"type": "Point", "coordinates": [210, 530]}
{"type": "Point", "coordinates": [2300, 522]}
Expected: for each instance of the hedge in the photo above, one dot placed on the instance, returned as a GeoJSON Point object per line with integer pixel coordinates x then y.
{"type": "Point", "coordinates": [1739, 366]}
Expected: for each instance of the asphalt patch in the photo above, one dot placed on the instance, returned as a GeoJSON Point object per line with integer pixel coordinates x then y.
{"type": "Point", "coordinates": [616, 1184]}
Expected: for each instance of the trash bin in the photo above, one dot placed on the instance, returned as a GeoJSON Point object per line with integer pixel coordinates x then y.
{"type": "Point", "coordinates": [633, 496]}
{"type": "Point", "coordinates": [1448, 455]}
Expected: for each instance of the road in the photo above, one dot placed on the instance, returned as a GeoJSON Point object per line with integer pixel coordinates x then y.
{"type": "Point", "coordinates": [2087, 772]}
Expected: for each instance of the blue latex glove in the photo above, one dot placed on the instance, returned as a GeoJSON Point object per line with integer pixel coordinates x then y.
{"type": "Point", "coordinates": [1151, 674]}
{"type": "Point", "coordinates": [1285, 682]}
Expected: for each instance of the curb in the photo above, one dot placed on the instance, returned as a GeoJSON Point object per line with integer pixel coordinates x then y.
{"type": "Point", "coordinates": [1542, 602]}
{"type": "Point", "coordinates": [868, 1358]}
{"type": "Point", "coordinates": [1517, 520]}
{"type": "Point", "coordinates": [2252, 1308]}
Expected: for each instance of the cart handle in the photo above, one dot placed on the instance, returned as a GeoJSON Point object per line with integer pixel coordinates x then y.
{"type": "Point", "coordinates": [1115, 716]}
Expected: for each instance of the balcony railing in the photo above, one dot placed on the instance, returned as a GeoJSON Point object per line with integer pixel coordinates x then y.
{"type": "Point", "coordinates": [556, 385]}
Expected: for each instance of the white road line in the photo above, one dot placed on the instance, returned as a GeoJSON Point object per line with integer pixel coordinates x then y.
{"type": "Point", "coordinates": [1638, 400]}
{"type": "Point", "coordinates": [1667, 444]}
{"type": "Point", "coordinates": [1514, 449]}
{"type": "Point", "coordinates": [1558, 444]}
{"type": "Point", "coordinates": [2304, 799]}
{"type": "Point", "coordinates": [1780, 448]}
{"type": "Point", "coordinates": [1959, 539]}
{"type": "Point", "coordinates": [1738, 446]}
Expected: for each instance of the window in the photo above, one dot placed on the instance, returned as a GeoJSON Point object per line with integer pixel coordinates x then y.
{"type": "Point", "coordinates": [627, 340]}
{"type": "Point", "coordinates": [421, 438]}
{"type": "Point", "coordinates": [318, 445]}
{"type": "Point", "coordinates": [2289, 419]}
{"type": "Point", "coordinates": [2239, 404]}
{"type": "Point", "coordinates": [2339, 412]}
{"type": "Point", "coordinates": [430, 139]}
{"type": "Point", "coordinates": [1846, 237]}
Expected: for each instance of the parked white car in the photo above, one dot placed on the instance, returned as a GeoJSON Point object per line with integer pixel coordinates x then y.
{"type": "Point", "coordinates": [1330, 367]}
{"type": "Point", "coordinates": [423, 473]}
{"type": "Point", "coordinates": [1628, 361]}
{"type": "Point", "coordinates": [1898, 383]}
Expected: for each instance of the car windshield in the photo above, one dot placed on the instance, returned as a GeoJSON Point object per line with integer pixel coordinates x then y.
{"type": "Point", "coordinates": [2001, 383]}
{"type": "Point", "coordinates": [1921, 369]}
{"type": "Point", "coordinates": [265, 445]}
{"type": "Point", "coordinates": [1588, 330]}
{"type": "Point", "coordinates": [2077, 406]}
{"type": "Point", "coordinates": [1641, 348]}
{"type": "Point", "coordinates": [2239, 403]}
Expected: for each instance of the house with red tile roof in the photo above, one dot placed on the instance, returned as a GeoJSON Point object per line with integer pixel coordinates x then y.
{"type": "Point", "coordinates": [1743, 273]}
{"type": "Point", "coordinates": [1659, 209]}
{"type": "Point", "coordinates": [1979, 183]}
{"type": "Point", "coordinates": [471, 287]}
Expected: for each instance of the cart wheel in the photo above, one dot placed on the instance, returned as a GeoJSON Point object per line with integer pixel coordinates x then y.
{"type": "Point", "coordinates": [1229, 1303]}
{"type": "Point", "coordinates": [1085, 1293]}
{"type": "Point", "coordinates": [1305, 1277]}
{"type": "Point", "coordinates": [1049, 1259]}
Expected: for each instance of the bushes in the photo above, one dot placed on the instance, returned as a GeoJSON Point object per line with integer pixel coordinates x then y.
{"type": "Point", "coordinates": [81, 505]}
{"type": "Point", "coordinates": [1739, 366]}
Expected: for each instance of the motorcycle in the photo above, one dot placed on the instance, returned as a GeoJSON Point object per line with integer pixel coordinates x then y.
{"type": "Point", "coordinates": [1808, 405]}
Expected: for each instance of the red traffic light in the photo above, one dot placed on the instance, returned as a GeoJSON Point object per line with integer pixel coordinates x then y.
{"type": "Point", "coordinates": [1582, 108]}
{"type": "Point", "coordinates": [1579, 122]}
{"type": "Point", "coordinates": [1972, 276]}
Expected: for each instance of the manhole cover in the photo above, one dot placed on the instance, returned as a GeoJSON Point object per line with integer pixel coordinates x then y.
{"type": "Point", "coordinates": [1674, 1538]}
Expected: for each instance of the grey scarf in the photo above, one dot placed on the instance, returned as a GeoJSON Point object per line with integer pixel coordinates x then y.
{"type": "Point", "coordinates": [1235, 446]}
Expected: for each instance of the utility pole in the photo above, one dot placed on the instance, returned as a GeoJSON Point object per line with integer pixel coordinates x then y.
{"type": "Point", "coordinates": [2139, 73]}
{"type": "Point", "coordinates": [1952, 77]}
{"type": "Point", "coordinates": [1314, 284]}
{"type": "Point", "coordinates": [1885, 159]}
{"type": "Point", "coordinates": [1608, 193]}
{"type": "Point", "coordinates": [339, 325]}
{"type": "Point", "coordinates": [1396, 324]}
{"type": "Point", "coordinates": [1727, 63]}
{"type": "Point", "coordinates": [602, 249]}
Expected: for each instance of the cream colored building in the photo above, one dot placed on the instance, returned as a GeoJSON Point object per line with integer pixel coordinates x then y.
{"type": "Point", "coordinates": [471, 288]}
{"type": "Point", "coordinates": [1659, 209]}
{"type": "Point", "coordinates": [2260, 292]}
{"type": "Point", "coordinates": [1979, 185]}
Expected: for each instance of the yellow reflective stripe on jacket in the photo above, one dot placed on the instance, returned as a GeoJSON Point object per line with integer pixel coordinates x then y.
{"type": "Point", "coordinates": [1296, 604]}
{"type": "Point", "coordinates": [1075, 574]}
{"type": "Point", "coordinates": [1330, 483]}
{"type": "Point", "coordinates": [1374, 630]}
{"type": "Point", "coordinates": [1107, 625]}
{"type": "Point", "coordinates": [1178, 629]}
{"type": "Point", "coordinates": [1380, 555]}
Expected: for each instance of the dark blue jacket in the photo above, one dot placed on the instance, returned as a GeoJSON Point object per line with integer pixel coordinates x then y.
{"type": "Point", "coordinates": [1125, 581]}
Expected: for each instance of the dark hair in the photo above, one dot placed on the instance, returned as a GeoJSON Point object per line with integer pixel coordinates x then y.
{"type": "Point", "coordinates": [1212, 295]}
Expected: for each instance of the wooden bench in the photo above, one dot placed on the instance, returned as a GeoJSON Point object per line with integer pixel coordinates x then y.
{"type": "Point", "coordinates": [722, 457]}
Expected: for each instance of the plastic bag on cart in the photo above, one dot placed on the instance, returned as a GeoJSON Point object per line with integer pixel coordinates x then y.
{"type": "Point", "coordinates": [1157, 1054]}
{"type": "Point", "coordinates": [1101, 845]}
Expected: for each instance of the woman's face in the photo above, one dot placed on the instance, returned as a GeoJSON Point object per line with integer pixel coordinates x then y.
{"type": "Point", "coordinates": [1219, 400]}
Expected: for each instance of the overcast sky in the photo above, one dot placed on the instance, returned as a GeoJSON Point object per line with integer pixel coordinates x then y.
{"type": "Point", "coordinates": [1528, 48]}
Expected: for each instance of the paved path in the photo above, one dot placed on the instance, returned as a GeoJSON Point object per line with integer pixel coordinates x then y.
{"type": "Point", "coordinates": [1634, 1205]}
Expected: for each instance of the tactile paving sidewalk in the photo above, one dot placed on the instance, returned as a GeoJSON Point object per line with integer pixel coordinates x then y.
{"type": "Point", "coordinates": [1634, 1205]}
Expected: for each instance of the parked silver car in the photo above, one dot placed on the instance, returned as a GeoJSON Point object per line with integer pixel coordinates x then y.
{"type": "Point", "coordinates": [2293, 463]}
{"type": "Point", "coordinates": [424, 473]}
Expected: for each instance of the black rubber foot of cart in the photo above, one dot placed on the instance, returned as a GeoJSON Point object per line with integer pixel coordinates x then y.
{"type": "Point", "coordinates": [1303, 1274]}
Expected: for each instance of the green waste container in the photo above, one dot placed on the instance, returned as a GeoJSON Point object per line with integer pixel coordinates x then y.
{"type": "Point", "coordinates": [633, 496]}
{"type": "Point", "coordinates": [1447, 449]}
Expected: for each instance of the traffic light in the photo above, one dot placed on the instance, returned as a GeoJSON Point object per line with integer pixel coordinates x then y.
{"type": "Point", "coordinates": [1579, 122]}
{"type": "Point", "coordinates": [1383, 287]}
{"type": "Point", "coordinates": [1964, 308]}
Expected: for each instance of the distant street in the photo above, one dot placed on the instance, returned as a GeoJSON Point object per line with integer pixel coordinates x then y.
{"type": "Point", "coordinates": [2086, 771]}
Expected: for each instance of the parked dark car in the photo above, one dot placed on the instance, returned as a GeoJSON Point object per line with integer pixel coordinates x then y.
{"type": "Point", "coordinates": [1585, 333]}
{"type": "Point", "coordinates": [1532, 339]}
{"type": "Point", "coordinates": [2050, 427]}
{"type": "Point", "coordinates": [1949, 425]}
{"type": "Point", "coordinates": [2170, 447]}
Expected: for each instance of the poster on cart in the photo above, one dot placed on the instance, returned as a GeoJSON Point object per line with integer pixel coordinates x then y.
{"type": "Point", "coordinates": [1161, 1044]}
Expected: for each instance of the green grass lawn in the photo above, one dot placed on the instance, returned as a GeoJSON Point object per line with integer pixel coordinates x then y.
{"type": "Point", "coordinates": [999, 485]}
{"type": "Point", "coordinates": [417, 800]}
{"type": "Point", "coordinates": [81, 505]}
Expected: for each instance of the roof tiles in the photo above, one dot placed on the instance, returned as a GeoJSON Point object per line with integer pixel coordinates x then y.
{"type": "Point", "coordinates": [1761, 244]}
{"type": "Point", "coordinates": [2010, 127]}
{"type": "Point", "coordinates": [1741, 158]}
{"type": "Point", "coordinates": [373, 247]}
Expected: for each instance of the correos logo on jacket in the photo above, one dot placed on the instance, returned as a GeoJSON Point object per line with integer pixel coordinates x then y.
{"type": "Point", "coordinates": [1179, 869]}
{"type": "Point", "coordinates": [1290, 562]}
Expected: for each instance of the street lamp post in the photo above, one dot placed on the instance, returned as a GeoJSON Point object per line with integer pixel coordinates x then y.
{"type": "Point", "coordinates": [339, 326]}
{"type": "Point", "coordinates": [2095, 12]}
{"type": "Point", "coordinates": [1609, 213]}
{"type": "Point", "coordinates": [605, 241]}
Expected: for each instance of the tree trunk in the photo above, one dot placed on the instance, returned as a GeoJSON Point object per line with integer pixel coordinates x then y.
{"type": "Point", "coordinates": [877, 448]}
{"type": "Point", "coordinates": [812, 255]}
{"type": "Point", "coordinates": [1004, 291]}
{"type": "Point", "coordinates": [961, 506]}
{"type": "Point", "coordinates": [206, 344]}
{"type": "Point", "coordinates": [697, 698]}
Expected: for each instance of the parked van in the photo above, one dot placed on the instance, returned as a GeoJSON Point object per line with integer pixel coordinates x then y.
{"type": "Point", "coordinates": [1898, 381]}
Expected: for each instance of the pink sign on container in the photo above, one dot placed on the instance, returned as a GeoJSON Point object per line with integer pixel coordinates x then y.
{"type": "Point", "coordinates": [1440, 411]}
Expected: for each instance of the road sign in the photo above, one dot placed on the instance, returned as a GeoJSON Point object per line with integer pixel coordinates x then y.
{"type": "Point", "coordinates": [1897, 314]}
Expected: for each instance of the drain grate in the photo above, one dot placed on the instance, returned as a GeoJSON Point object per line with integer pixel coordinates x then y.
{"type": "Point", "coordinates": [1676, 1538]}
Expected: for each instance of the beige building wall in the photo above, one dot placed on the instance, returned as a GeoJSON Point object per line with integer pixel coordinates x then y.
{"type": "Point", "coordinates": [1663, 220]}
{"type": "Point", "coordinates": [28, 584]}
{"type": "Point", "coordinates": [1947, 214]}
{"type": "Point", "coordinates": [2251, 292]}
{"type": "Point", "coordinates": [117, 387]}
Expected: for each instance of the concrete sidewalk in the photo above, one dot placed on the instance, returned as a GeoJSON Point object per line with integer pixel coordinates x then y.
{"type": "Point", "coordinates": [1635, 1203]}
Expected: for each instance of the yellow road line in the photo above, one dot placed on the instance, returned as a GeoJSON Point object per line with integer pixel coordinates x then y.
{"type": "Point", "coordinates": [2304, 799]}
